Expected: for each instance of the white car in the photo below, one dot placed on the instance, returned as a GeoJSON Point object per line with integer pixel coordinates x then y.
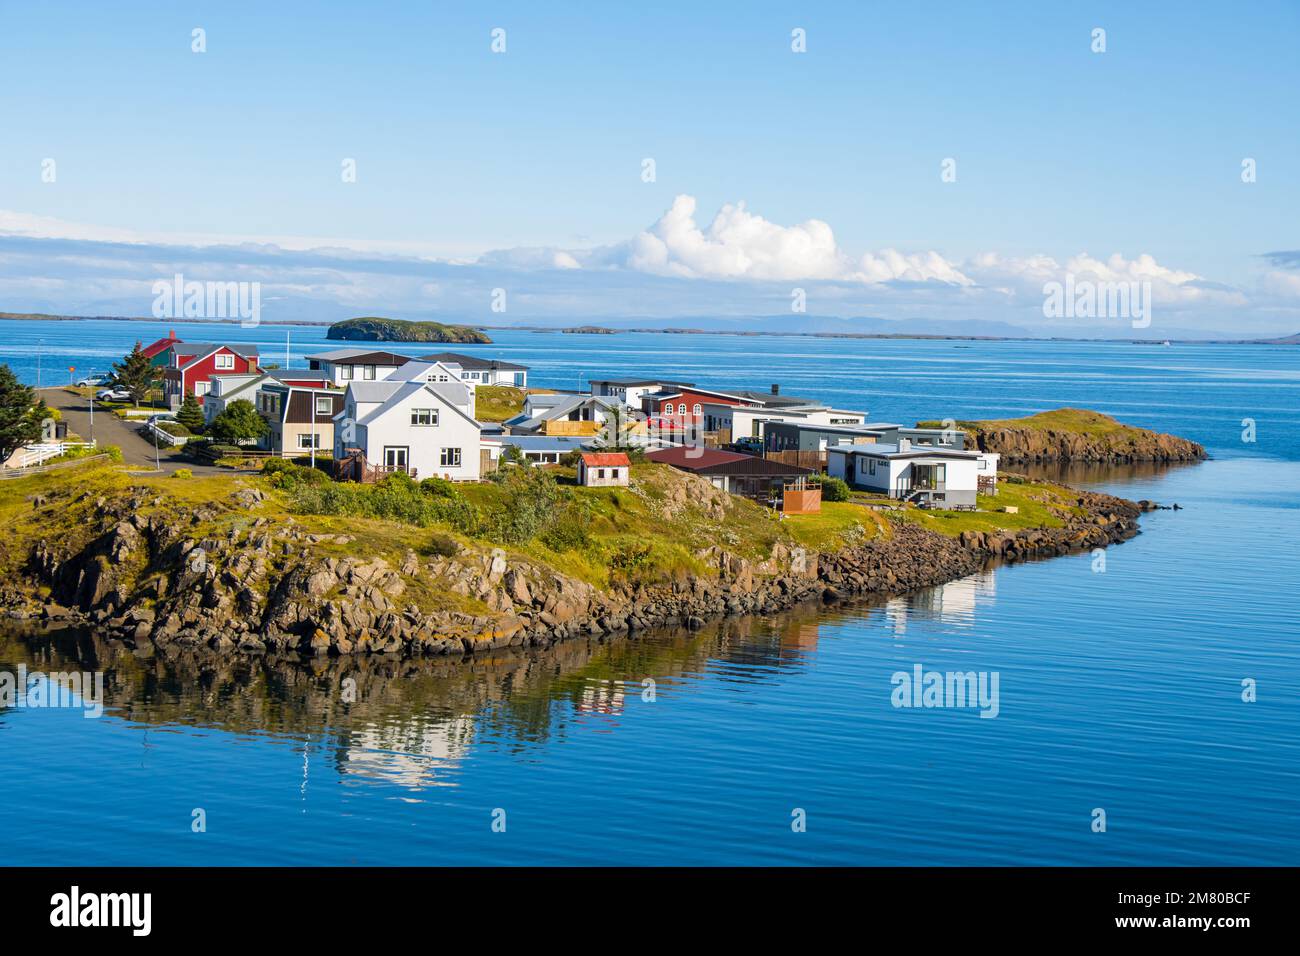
{"type": "Point", "coordinates": [113, 395]}
{"type": "Point", "coordinates": [95, 380]}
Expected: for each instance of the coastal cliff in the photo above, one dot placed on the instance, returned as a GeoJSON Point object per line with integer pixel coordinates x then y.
{"type": "Point", "coordinates": [165, 572]}
{"type": "Point", "coordinates": [1075, 435]}
{"type": "Point", "coordinates": [375, 329]}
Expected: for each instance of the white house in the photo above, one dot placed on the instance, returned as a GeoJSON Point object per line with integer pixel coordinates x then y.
{"type": "Point", "coordinates": [425, 429]}
{"type": "Point", "coordinates": [224, 389]}
{"type": "Point", "coordinates": [938, 477]}
{"type": "Point", "coordinates": [604, 469]}
{"type": "Point", "coordinates": [630, 390]}
{"type": "Point", "coordinates": [342, 366]}
{"type": "Point", "coordinates": [481, 371]}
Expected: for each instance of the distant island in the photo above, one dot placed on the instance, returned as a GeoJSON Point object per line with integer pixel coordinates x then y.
{"type": "Point", "coordinates": [589, 330]}
{"type": "Point", "coordinates": [375, 329]}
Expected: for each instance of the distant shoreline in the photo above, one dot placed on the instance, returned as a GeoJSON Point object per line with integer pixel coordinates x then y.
{"type": "Point", "coordinates": [670, 330]}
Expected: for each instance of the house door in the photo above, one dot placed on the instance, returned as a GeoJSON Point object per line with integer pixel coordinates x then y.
{"type": "Point", "coordinates": [849, 469]}
{"type": "Point", "coordinates": [395, 458]}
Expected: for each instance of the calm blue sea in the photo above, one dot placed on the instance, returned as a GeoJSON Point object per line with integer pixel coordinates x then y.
{"type": "Point", "coordinates": [1120, 689]}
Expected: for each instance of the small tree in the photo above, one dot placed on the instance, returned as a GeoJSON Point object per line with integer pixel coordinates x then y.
{"type": "Point", "coordinates": [191, 415]}
{"type": "Point", "coordinates": [20, 416]}
{"type": "Point", "coordinates": [135, 373]}
{"type": "Point", "coordinates": [238, 424]}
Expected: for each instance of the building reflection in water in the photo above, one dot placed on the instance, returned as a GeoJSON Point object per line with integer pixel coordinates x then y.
{"type": "Point", "coordinates": [412, 723]}
{"type": "Point", "coordinates": [954, 603]}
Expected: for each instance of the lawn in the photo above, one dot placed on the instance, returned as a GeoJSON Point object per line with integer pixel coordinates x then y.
{"type": "Point", "coordinates": [1039, 504]}
{"type": "Point", "coordinates": [496, 403]}
{"type": "Point", "coordinates": [1074, 420]}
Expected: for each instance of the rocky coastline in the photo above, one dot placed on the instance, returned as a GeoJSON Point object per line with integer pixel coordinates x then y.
{"type": "Point", "coordinates": [142, 581]}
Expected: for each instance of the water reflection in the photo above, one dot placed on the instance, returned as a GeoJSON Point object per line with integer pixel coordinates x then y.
{"type": "Point", "coordinates": [1092, 474]}
{"type": "Point", "coordinates": [413, 724]}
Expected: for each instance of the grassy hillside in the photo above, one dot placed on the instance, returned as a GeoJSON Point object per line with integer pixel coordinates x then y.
{"type": "Point", "coordinates": [496, 403]}
{"type": "Point", "coordinates": [377, 329]}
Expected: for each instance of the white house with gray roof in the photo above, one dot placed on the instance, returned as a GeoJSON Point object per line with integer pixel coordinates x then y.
{"type": "Point", "coordinates": [481, 371]}
{"type": "Point", "coordinates": [424, 428]}
{"type": "Point", "coordinates": [932, 476]}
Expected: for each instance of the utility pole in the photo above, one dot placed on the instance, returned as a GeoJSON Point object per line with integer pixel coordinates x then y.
{"type": "Point", "coordinates": [312, 393]}
{"type": "Point", "coordinates": [40, 344]}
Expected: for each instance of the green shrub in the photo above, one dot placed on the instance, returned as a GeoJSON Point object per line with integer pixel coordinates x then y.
{"type": "Point", "coordinates": [834, 489]}
{"type": "Point", "coordinates": [439, 488]}
{"type": "Point", "coordinates": [444, 546]}
{"type": "Point", "coordinates": [182, 473]}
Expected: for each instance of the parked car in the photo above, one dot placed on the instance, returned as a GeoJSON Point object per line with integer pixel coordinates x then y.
{"type": "Point", "coordinates": [96, 380]}
{"type": "Point", "coordinates": [748, 446]}
{"type": "Point", "coordinates": [161, 417]}
{"type": "Point", "coordinates": [113, 395]}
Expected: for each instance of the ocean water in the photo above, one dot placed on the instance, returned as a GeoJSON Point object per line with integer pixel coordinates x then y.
{"type": "Point", "coordinates": [1120, 685]}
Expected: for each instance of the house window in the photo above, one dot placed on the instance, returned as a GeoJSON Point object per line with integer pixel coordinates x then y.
{"type": "Point", "coordinates": [681, 409]}
{"type": "Point", "coordinates": [368, 373]}
{"type": "Point", "coordinates": [345, 373]}
{"type": "Point", "coordinates": [984, 464]}
{"type": "Point", "coordinates": [225, 361]}
{"type": "Point", "coordinates": [424, 416]}
{"type": "Point", "coordinates": [324, 405]}
{"type": "Point", "coordinates": [600, 472]}
{"type": "Point", "coordinates": [698, 408]}
{"type": "Point", "coordinates": [613, 473]}
{"type": "Point", "coordinates": [450, 458]}
{"type": "Point", "coordinates": [200, 389]}
{"type": "Point", "coordinates": [309, 441]}
{"type": "Point", "coordinates": [871, 466]}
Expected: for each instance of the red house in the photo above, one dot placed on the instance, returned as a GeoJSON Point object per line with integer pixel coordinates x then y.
{"type": "Point", "coordinates": [193, 364]}
{"type": "Point", "coordinates": [684, 406]}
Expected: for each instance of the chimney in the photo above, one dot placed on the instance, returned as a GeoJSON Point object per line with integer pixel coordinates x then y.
{"type": "Point", "coordinates": [905, 444]}
{"type": "Point", "coordinates": [776, 389]}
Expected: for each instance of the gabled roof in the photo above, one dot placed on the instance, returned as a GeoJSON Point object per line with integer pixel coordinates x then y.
{"type": "Point", "coordinates": [666, 394]}
{"type": "Point", "coordinates": [560, 409]}
{"type": "Point", "coordinates": [400, 391]}
{"type": "Point", "coordinates": [243, 351]}
{"type": "Point", "coordinates": [713, 461]}
{"type": "Point", "coordinates": [473, 362]}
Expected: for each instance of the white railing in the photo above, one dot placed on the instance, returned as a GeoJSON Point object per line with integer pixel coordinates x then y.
{"type": "Point", "coordinates": [151, 431]}
{"type": "Point", "coordinates": [42, 452]}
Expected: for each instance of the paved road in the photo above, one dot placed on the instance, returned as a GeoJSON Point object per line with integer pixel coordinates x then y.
{"type": "Point", "coordinates": [137, 451]}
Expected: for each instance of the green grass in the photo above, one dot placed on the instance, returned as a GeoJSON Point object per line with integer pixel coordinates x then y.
{"type": "Point", "coordinates": [1074, 420]}
{"type": "Point", "coordinates": [1040, 504]}
{"type": "Point", "coordinates": [496, 403]}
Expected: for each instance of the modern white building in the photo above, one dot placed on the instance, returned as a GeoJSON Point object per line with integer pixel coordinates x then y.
{"type": "Point", "coordinates": [933, 476]}
{"type": "Point", "coordinates": [426, 429]}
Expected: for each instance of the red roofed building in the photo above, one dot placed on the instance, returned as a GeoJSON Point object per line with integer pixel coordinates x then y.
{"type": "Point", "coordinates": [157, 351]}
{"type": "Point", "coordinates": [604, 469]}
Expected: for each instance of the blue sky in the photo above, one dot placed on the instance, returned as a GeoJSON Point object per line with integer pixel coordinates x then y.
{"type": "Point", "coordinates": [461, 152]}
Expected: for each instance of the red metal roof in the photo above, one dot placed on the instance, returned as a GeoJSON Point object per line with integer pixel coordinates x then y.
{"type": "Point", "coordinates": [605, 459]}
{"type": "Point", "coordinates": [161, 345]}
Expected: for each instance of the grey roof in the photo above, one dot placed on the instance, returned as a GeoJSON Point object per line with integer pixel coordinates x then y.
{"type": "Point", "coordinates": [473, 362]}
{"type": "Point", "coordinates": [559, 410]}
{"type": "Point", "coordinates": [874, 428]}
{"type": "Point", "coordinates": [545, 442]}
{"type": "Point", "coordinates": [884, 450]}
{"type": "Point", "coordinates": [771, 400]}
{"type": "Point", "coordinates": [400, 391]}
{"type": "Point", "coordinates": [338, 355]}
{"type": "Point", "coordinates": [204, 348]}
{"type": "Point", "coordinates": [633, 382]}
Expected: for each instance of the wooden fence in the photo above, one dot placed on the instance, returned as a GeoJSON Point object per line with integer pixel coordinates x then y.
{"type": "Point", "coordinates": [816, 460]}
